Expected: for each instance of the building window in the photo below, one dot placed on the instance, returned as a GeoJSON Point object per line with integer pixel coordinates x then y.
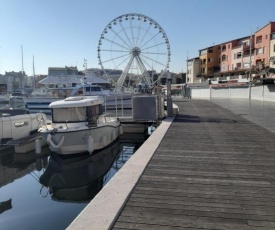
{"type": "Point", "coordinates": [223, 58]}
{"type": "Point", "coordinates": [259, 39]}
{"type": "Point", "coordinates": [264, 50]}
{"type": "Point", "coordinates": [202, 52]}
{"type": "Point", "coordinates": [210, 59]}
{"type": "Point", "coordinates": [210, 69]}
{"type": "Point", "coordinates": [210, 50]}
{"type": "Point", "coordinates": [259, 51]}
{"type": "Point", "coordinates": [239, 65]}
{"type": "Point", "coordinates": [238, 55]}
{"type": "Point", "coordinates": [223, 48]}
{"type": "Point", "coordinates": [228, 46]}
{"type": "Point", "coordinates": [223, 67]}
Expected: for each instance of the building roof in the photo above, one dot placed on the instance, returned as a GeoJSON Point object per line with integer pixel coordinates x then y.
{"type": "Point", "coordinates": [70, 79]}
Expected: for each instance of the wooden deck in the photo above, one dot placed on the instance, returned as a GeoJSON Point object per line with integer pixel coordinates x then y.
{"type": "Point", "coordinates": [212, 170]}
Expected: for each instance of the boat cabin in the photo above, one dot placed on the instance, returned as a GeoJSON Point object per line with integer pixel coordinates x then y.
{"type": "Point", "coordinates": [89, 90]}
{"type": "Point", "coordinates": [77, 109]}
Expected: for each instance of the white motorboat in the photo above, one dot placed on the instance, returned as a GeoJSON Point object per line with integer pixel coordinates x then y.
{"type": "Point", "coordinates": [21, 131]}
{"type": "Point", "coordinates": [16, 97]}
{"type": "Point", "coordinates": [40, 99]}
{"type": "Point", "coordinates": [4, 99]}
{"type": "Point", "coordinates": [79, 125]}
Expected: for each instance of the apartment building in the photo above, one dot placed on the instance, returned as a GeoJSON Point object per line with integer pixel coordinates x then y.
{"type": "Point", "coordinates": [234, 59]}
{"type": "Point", "coordinates": [272, 51]}
{"type": "Point", "coordinates": [209, 61]}
{"type": "Point", "coordinates": [262, 45]}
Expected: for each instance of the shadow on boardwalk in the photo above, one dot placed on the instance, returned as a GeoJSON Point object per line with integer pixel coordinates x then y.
{"type": "Point", "coordinates": [196, 119]}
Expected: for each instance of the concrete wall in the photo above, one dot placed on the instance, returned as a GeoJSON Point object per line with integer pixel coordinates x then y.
{"type": "Point", "coordinates": [263, 93]}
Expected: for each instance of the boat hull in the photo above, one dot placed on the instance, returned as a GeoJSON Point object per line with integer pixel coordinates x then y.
{"type": "Point", "coordinates": [85, 140]}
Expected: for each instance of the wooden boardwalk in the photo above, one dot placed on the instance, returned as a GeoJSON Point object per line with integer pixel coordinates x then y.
{"type": "Point", "coordinates": [212, 170]}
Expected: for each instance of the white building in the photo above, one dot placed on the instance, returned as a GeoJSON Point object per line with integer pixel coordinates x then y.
{"type": "Point", "coordinates": [193, 70]}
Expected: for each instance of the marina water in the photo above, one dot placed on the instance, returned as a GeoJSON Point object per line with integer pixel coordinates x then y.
{"type": "Point", "coordinates": [47, 191]}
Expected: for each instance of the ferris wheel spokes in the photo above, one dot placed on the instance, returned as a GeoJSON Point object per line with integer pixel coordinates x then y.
{"type": "Point", "coordinates": [152, 46]}
{"type": "Point", "coordinates": [115, 58]}
{"type": "Point", "coordinates": [153, 60]}
{"type": "Point", "coordinates": [139, 27]}
{"type": "Point", "coordinates": [149, 40]}
{"type": "Point", "coordinates": [123, 29]}
{"type": "Point", "coordinates": [116, 43]}
{"type": "Point", "coordinates": [129, 46]}
{"type": "Point", "coordinates": [149, 27]}
{"type": "Point", "coordinates": [144, 71]}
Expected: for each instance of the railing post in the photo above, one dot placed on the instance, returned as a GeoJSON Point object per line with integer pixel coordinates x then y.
{"type": "Point", "coordinates": [122, 114]}
{"type": "Point", "coordinates": [105, 106]}
{"type": "Point", "coordinates": [116, 104]}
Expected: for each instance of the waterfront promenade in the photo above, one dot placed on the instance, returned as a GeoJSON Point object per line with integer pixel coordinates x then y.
{"type": "Point", "coordinates": [208, 168]}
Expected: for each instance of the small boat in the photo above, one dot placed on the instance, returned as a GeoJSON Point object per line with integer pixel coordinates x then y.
{"type": "Point", "coordinates": [4, 99]}
{"type": "Point", "coordinates": [20, 130]}
{"type": "Point", "coordinates": [16, 97]}
{"type": "Point", "coordinates": [79, 125]}
{"type": "Point", "coordinates": [39, 100]}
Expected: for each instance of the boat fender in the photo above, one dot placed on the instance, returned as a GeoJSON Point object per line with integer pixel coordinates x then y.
{"type": "Point", "coordinates": [37, 146]}
{"type": "Point", "coordinates": [90, 144]}
{"type": "Point", "coordinates": [114, 135]}
{"type": "Point", "coordinates": [50, 142]}
{"type": "Point", "coordinates": [120, 130]}
{"type": "Point", "coordinates": [104, 140]}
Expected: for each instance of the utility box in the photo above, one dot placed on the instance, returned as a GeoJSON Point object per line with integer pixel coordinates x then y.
{"type": "Point", "coordinates": [148, 107]}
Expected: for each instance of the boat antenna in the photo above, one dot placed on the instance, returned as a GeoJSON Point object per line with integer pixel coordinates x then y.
{"type": "Point", "coordinates": [33, 69]}
{"type": "Point", "coordinates": [23, 73]}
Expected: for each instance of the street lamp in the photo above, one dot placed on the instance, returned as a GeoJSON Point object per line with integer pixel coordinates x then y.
{"type": "Point", "coordinates": [169, 98]}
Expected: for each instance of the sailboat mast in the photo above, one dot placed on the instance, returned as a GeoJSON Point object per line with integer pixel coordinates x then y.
{"type": "Point", "coordinates": [22, 59]}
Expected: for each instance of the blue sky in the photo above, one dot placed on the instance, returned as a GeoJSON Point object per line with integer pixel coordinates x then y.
{"type": "Point", "coordinates": [64, 32]}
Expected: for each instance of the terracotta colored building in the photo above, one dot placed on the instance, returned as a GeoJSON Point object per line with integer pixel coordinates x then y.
{"type": "Point", "coordinates": [237, 58]}
{"type": "Point", "coordinates": [262, 45]}
{"type": "Point", "coordinates": [209, 61]}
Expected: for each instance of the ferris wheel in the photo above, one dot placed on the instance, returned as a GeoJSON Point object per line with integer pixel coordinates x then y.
{"type": "Point", "coordinates": [134, 46]}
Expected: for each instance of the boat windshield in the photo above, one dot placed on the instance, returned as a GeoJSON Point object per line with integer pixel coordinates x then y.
{"type": "Point", "coordinates": [94, 88]}
{"type": "Point", "coordinates": [75, 114]}
{"type": "Point", "coordinates": [18, 94]}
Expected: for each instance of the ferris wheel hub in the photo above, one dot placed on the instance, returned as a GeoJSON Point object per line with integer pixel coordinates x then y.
{"type": "Point", "coordinates": [135, 51]}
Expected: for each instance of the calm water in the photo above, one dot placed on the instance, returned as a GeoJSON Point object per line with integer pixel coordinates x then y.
{"type": "Point", "coordinates": [47, 191]}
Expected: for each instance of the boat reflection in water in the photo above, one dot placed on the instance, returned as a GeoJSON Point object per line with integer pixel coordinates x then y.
{"type": "Point", "coordinates": [78, 177]}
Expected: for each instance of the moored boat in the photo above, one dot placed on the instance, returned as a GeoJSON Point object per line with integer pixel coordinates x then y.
{"type": "Point", "coordinates": [16, 97]}
{"type": "Point", "coordinates": [21, 131]}
{"type": "Point", "coordinates": [39, 101]}
{"type": "Point", "coordinates": [79, 125]}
